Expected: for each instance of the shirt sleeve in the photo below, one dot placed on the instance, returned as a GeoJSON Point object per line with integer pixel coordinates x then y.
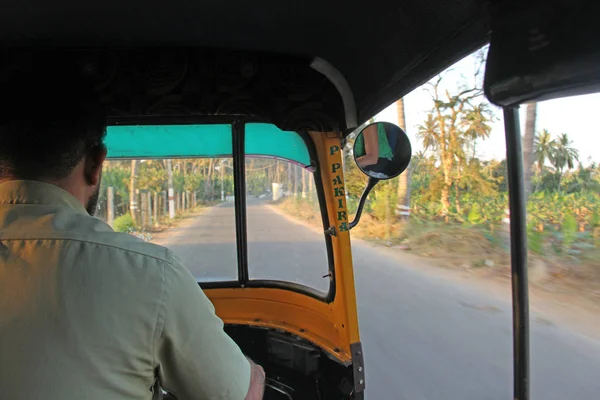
{"type": "Point", "coordinates": [196, 358]}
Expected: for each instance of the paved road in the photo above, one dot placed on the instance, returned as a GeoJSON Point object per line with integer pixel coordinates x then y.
{"type": "Point", "coordinates": [425, 337]}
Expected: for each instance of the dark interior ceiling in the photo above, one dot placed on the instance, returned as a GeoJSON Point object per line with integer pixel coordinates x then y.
{"type": "Point", "coordinates": [383, 48]}
{"type": "Point", "coordinates": [557, 47]}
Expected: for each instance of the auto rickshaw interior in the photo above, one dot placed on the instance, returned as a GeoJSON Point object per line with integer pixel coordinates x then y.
{"type": "Point", "coordinates": [316, 72]}
{"type": "Point", "coordinates": [287, 326]}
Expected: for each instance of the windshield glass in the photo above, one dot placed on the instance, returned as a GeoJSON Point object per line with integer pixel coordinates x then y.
{"type": "Point", "coordinates": [175, 186]}
{"type": "Point", "coordinates": [281, 245]}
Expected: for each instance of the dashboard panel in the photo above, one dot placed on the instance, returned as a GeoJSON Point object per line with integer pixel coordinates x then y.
{"type": "Point", "coordinates": [295, 368]}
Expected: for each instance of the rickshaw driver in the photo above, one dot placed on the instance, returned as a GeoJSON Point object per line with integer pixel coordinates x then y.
{"type": "Point", "coordinates": [86, 312]}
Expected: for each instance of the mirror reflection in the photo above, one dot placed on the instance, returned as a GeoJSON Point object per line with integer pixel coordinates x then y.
{"type": "Point", "coordinates": [382, 150]}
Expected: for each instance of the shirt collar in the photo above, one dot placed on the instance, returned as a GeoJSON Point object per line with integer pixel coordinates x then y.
{"type": "Point", "coordinates": [39, 193]}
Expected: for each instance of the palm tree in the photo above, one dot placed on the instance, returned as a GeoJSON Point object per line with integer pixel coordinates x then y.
{"type": "Point", "coordinates": [565, 155]}
{"type": "Point", "coordinates": [428, 133]}
{"type": "Point", "coordinates": [438, 136]}
{"type": "Point", "coordinates": [477, 126]}
{"type": "Point", "coordinates": [528, 144]}
{"type": "Point", "coordinates": [405, 178]}
{"type": "Point", "coordinates": [451, 129]}
{"type": "Point", "coordinates": [544, 149]}
{"type": "Point", "coordinates": [477, 121]}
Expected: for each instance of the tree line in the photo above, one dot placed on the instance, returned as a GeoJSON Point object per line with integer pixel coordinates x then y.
{"type": "Point", "coordinates": [140, 188]}
{"type": "Point", "coordinates": [448, 183]}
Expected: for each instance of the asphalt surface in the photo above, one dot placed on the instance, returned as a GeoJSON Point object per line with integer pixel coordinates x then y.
{"type": "Point", "coordinates": [425, 337]}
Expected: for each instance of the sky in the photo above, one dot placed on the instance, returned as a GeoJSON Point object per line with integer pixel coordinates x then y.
{"type": "Point", "coordinates": [575, 116]}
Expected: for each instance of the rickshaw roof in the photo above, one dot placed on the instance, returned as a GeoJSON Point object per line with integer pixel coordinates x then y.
{"type": "Point", "coordinates": [382, 48]}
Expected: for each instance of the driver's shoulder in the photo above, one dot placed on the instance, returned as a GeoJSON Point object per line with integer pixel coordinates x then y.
{"type": "Point", "coordinates": [127, 244]}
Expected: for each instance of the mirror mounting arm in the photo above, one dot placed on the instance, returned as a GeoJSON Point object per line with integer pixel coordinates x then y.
{"type": "Point", "coordinates": [370, 185]}
{"type": "Point", "coordinates": [331, 231]}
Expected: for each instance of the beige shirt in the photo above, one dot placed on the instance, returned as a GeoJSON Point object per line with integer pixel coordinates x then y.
{"type": "Point", "coordinates": [87, 313]}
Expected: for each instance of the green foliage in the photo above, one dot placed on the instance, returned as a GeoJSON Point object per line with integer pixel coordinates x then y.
{"type": "Point", "coordinates": [564, 154]}
{"type": "Point", "coordinates": [569, 231]}
{"type": "Point", "coordinates": [584, 179]}
{"type": "Point", "coordinates": [496, 172]}
{"type": "Point", "coordinates": [152, 175]}
{"type": "Point", "coordinates": [203, 177]}
{"type": "Point", "coordinates": [550, 181]}
{"type": "Point", "coordinates": [352, 205]}
{"type": "Point", "coordinates": [355, 179]}
{"type": "Point", "coordinates": [193, 182]}
{"type": "Point", "coordinates": [227, 185]}
{"type": "Point", "coordinates": [178, 181]}
{"type": "Point", "coordinates": [450, 133]}
{"type": "Point", "coordinates": [117, 175]}
{"type": "Point", "coordinates": [259, 184]}
{"type": "Point", "coordinates": [561, 155]}
{"type": "Point", "coordinates": [594, 220]}
{"type": "Point", "coordinates": [535, 240]}
{"type": "Point", "coordinates": [563, 209]}
{"type": "Point", "coordinates": [475, 217]}
{"type": "Point", "coordinates": [383, 201]}
{"type": "Point", "coordinates": [544, 148]}
{"type": "Point", "coordinates": [124, 223]}
{"type": "Point", "coordinates": [548, 209]}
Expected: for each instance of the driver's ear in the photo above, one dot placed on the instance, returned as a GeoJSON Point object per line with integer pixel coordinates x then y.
{"type": "Point", "coordinates": [93, 164]}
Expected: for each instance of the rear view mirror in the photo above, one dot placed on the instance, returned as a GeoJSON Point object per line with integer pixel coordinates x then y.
{"type": "Point", "coordinates": [382, 150]}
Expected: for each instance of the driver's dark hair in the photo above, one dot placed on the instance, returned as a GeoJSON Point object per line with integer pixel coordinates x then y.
{"type": "Point", "coordinates": [51, 119]}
